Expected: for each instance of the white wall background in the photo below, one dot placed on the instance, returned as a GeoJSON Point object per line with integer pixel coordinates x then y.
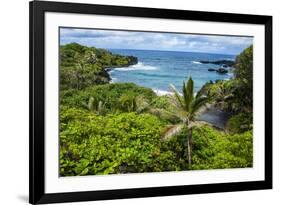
{"type": "Point", "coordinates": [14, 100]}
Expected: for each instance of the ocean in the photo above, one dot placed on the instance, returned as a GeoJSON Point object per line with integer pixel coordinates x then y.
{"type": "Point", "coordinates": [158, 69]}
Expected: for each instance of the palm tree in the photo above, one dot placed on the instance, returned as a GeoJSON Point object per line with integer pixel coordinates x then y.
{"type": "Point", "coordinates": [185, 107]}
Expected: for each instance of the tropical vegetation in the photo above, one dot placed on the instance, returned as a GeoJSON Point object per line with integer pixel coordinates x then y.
{"type": "Point", "coordinates": [118, 128]}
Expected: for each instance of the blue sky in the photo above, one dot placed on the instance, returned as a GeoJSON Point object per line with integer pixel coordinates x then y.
{"type": "Point", "coordinates": [110, 39]}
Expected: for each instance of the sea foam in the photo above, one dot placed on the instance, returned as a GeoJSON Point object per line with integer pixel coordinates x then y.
{"type": "Point", "coordinates": [139, 66]}
{"type": "Point", "coordinates": [113, 80]}
{"type": "Point", "coordinates": [196, 62]}
{"type": "Point", "coordinates": [162, 92]}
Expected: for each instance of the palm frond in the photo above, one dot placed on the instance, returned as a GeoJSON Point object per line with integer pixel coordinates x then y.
{"type": "Point", "coordinates": [204, 90]}
{"type": "Point", "coordinates": [162, 113]}
{"type": "Point", "coordinates": [177, 99]}
{"type": "Point", "coordinates": [188, 96]}
{"type": "Point", "coordinates": [198, 124]}
{"type": "Point", "coordinates": [180, 113]}
{"type": "Point", "coordinates": [172, 130]}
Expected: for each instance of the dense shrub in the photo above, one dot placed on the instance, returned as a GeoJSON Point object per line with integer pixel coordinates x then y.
{"type": "Point", "coordinates": [244, 66]}
{"type": "Point", "coordinates": [113, 95]}
{"type": "Point", "coordinates": [213, 149]}
{"type": "Point", "coordinates": [244, 74]}
{"type": "Point", "coordinates": [128, 142]}
{"type": "Point", "coordinates": [240, 123]}
{"type": "Point", "coordinates": [162, 102]}
{"type": "Point", "coordinates": [216, 150]}
{"type": "Point", "coordinates": [119, 143]}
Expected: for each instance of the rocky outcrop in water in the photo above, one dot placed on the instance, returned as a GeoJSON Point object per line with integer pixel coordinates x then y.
{"type": "Point", "coordinates": [220, 70]}
{"type": "Point", "coordinates": [132, 60]}
{"type": "Point", "coordinates": [224, 63]}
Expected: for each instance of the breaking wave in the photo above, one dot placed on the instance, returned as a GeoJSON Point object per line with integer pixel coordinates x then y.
{"type": "Point", "coordinates": [139, 66]}
{"type": "Point", "coordinates": [196, 62]}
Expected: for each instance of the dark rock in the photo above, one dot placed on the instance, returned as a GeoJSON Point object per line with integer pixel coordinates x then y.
{"type": "Point", "coordinates": [227, 63]}
{"type": "Point", "coordinates": [132, 60]}
{"type": "Point", "coordinates": [222, 71]}
{"type": "Point", "coordinates": [211, 69]}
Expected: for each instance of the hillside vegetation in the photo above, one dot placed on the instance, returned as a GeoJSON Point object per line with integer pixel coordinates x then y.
{"type": "Point", "coordinates": [82, 66]}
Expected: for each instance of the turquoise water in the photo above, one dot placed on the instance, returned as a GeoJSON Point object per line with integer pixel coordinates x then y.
{"type": "Point", "coordinates": [158, 69]}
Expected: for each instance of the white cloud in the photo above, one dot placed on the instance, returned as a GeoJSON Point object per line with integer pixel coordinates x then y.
{"type": "Point", "coordinates": [155, 41]}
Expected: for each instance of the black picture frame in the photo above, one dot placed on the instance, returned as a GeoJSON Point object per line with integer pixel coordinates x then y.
{"type": "Point", "coordinates": [37, 10]}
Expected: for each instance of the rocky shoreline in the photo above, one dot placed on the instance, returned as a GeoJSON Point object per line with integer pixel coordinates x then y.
{"type": "Point", "coordinates": [223, 63]}
{"type": "Point", "coordinates": [219, 70]}
{"type": "Point", "coordinates": [132, 60]}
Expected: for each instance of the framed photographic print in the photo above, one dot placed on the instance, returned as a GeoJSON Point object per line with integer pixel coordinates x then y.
{"type": "Point", "coordinates": [140, 102]}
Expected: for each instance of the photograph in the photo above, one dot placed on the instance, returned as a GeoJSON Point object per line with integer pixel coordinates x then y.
{"type": "Point", "coordinates": [134, 102]}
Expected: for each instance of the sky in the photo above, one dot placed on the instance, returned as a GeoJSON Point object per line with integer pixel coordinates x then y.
{"type": "Point", "coordinates": [113, 39]}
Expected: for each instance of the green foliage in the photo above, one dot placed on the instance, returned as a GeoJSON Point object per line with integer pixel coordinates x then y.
{"type": "Point", "coordinates": [118, 128]}
{"type": "Point", "coordinates": [178, 145]}
{"type": "Point", "coordinates": [244, 74]}
{"type": "Point", "coordinates": [162, 102]}
{"type": "Point", "coordinates": [186, 106]}
{"type": "Point", "coordinates": [127, 102]}
{"type": "Point", "coordinates": [116, 96]}
{"type": "Point", "coordinates": [161, 106]}
{"type": "Point", "coordinates": [79, 77]}
{"type": "Point", "coordinates": [244, 66]}
{"type": "Point", "coordinates": [129, 143]}
{"type": "Point", "coordinates": [240, 123]}
{"type": "Point", "coordinates": [234, 95]}
{"type": "Point", "coordinates": [212, 149]}
{"type": "Point", "coordinates": [215, 150]}
{"type": "Point", "coordinates": [82, 66]}
{"type": "Point", "coordinates": [96, 106]}
{"type": "Point", "coordinates": [119, 143]}
{"type": "Point", "coordinates": [221, 94]}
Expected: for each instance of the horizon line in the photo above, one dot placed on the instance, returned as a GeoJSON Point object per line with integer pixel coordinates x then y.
{"type": "Point", "coordinates": [153, 50]}
{"type": "Point", "coordinates": [168, 51]}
